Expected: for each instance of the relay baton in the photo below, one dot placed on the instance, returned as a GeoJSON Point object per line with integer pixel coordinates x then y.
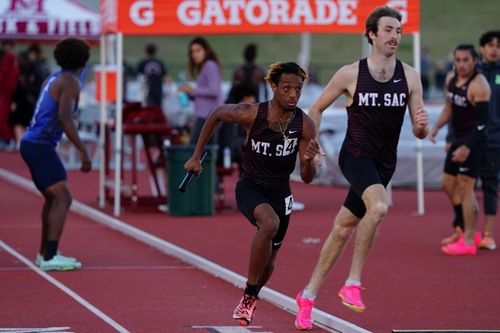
{"type": "Point", "coordinates": [190, 175]}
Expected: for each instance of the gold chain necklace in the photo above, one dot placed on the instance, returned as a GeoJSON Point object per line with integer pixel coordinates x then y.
{"type": "Point", "coordinates": [281, 124]}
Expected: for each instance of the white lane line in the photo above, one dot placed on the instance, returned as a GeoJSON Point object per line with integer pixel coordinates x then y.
{"type": "Point", "coordinates": [63, 288]}
{"type": "Point", "coordinates": [320, 318]}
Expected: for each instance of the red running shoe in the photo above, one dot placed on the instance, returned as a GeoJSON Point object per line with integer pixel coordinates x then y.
{"type": "Point", "coordinates": [245, 311]}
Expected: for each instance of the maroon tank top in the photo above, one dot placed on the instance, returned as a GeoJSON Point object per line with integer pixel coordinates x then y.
{"type": "Point", "coordinates": [376, 116]}
{"type": "Point", "coordinates": [267, 158]}
{"type": "Point", "coordinates": [464, 115]}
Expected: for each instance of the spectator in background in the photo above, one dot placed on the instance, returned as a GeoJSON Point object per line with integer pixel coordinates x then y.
{"type": "Point", "coordinates": [489, 65]}
{"type": "Point", "coordinates": [155, 73]}
{"type": "Point", "coordinates": [33, 71]}
{"type": "Point", "coordinates": [251, 73]}
{"type": "Point", "coordinates": [425, 72]}
{"type": "Point", "coordinates": [204, 66]}
{"type": "Point", "coordinates": [9, 72]}
{"type": "Point", "coordinates": [22, 103]}
{"type": "Point", "coordinates": [233, 135]}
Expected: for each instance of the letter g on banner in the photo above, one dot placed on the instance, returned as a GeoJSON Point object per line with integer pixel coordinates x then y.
{"type": "Point", "coordinates": [141, 12]}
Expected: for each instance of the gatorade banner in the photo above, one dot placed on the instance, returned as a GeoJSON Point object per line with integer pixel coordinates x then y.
{"type": "Point", "coordinates": [203, 17]}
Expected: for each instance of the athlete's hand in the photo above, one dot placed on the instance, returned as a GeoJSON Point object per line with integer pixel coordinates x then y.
{"type": "Point", "coordinates": [432, 135]}
{"type": "Point", "coordinates": [86, 162]}
{"type": "Point", "coordinates": [193, 164]}
{"type": "Point", "coordinates": [313, 149]}
{"type": "Point", "coordinates": [460, 154]}
{"type": "Point", "coordinates": [421, 118]}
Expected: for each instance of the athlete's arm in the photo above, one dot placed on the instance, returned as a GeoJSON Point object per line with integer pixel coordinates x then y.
{"type": "Point", "coordinates": [445, 115]}
{"type": "Point", "coordinates": [419, 116]}
{"type": "Point", "coordinates": [479, 93]}
{"type": "Point", "coordinates": [66, 90]}
{"type": "Point", "coordinates": [242, 113]}
{"type": "Point", "coordinates": [338, 85]}
{"type": "Point", "coordinates": [308, 149]}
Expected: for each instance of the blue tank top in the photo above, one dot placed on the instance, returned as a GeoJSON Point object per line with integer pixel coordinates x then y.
{"type": "Point", "coordinates": [376, 116]}
{"type": "Point", "coordinates": [268, 159]}
{"type": "Point", "coordinates": [44, 127]}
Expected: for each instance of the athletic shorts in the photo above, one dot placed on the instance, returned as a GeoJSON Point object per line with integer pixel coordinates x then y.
{"type": "Point", "coordinates": [470, 167]}
{"type": "Point", "coordinates": [361, 172]}
{"type": "Point", "coordinates": [249, 196]}
{"type": "Point", "coordinates": [45, 165]}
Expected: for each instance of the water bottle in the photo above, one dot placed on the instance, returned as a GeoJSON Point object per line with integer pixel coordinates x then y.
{"type": "Point", "coordinates": [226, 160]}
{"type": "Point", "coordinates": [183, 96]}
{"type": "Point", "coordinates": [183, 99]}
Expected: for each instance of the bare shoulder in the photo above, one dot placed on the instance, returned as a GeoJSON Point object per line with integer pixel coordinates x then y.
{"type": "Point", "coordinates": [410, 72]}
{"type": "Point", "coordinates": [349, 71]}
{"type": "Point", "coordinates": [308, 127]}
{"type": "Point", "coordinates": [67, 83]}
{"type": "Point", "coordinates": [480, 87]}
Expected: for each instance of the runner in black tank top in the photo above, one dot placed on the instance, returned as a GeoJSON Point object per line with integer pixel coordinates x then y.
{"type": "Point", "coordinates": [277, 131]}
{"type": "Point", "coordinates": [268, 159]}
{"type": "Point", "coordinates": [376, 115]}
{"type": "Point", "coordinates": [467, 107]}
{"type": "Point", "coordinates": [378, 90]}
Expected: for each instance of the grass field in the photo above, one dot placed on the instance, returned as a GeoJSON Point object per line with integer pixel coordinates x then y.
{"type": "Point", "coordinates": [444, 24]}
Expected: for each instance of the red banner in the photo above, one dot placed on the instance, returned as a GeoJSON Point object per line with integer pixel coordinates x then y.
{"type": "Point", "coordinates": [177, 17]}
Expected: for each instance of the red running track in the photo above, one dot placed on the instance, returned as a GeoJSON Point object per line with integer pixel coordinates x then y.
{"type": "Point", "coordinates": [128, 286]}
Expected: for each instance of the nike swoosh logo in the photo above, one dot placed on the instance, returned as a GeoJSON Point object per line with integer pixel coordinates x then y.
{"type": "Point", "coordinates": [396, 81]}
{"type": "Point", "coordinates": [291, 132]}
{"type": "Point", "coordinates": [463, 169]}
{"type": "Point", "coordinates": [276, 244]}
{"type": "Point", "coordinates": [481, 127]}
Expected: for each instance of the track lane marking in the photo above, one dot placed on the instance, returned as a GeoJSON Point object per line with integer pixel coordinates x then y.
{"type": "Point", "coordinates": [320, 318]}
{"type": "Point", "coordinates": [64, 289]}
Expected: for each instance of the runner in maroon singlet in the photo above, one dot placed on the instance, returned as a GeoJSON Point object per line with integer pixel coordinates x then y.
{"type": "Point", "coordinates": [378, 90]}
{"type": "Point", "coordinates": [277, 131]}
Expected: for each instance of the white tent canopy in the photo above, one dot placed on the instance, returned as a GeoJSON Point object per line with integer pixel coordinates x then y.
{"type": "Point", "coordinates": [48, 20]}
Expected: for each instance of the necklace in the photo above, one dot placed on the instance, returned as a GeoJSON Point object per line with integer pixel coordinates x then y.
{"type": "Point", "coordinates": [281, 124]}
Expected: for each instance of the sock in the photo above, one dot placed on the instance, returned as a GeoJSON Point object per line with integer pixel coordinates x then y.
{"type": "Point", "coordinates": [348, 282]}
{"type": "Point", "coordinates": [51, 250]}
{"type": "Point", "coordinates": [459, 218]}
{"type": "Point", "coordinates": [251, 289]}
{"type": "Point", "coordinates": [308, 295]}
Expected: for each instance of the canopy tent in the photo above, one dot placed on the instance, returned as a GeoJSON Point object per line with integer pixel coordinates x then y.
{"type": "Point", "coordinates": [204, 17]}
{"type": "Point", "coordinates": [48, 20]}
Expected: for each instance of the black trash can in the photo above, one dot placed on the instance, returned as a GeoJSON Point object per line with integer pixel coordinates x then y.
{"type": "Point", "coordinates": [199, 197]}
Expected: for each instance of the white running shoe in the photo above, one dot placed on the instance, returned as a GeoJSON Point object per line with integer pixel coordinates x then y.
{"type": "Point", "coordinates": [39, 258]}
{"type": "Point", "coordinates": [59, 263]}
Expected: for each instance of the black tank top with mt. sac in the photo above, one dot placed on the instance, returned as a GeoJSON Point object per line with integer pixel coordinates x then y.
{"type": "Point", "coordinates": [268, 159]}
{"type": "Point", "coordinates": [376, 115]}
{"type": "Point", "coordinates": [464, 114]}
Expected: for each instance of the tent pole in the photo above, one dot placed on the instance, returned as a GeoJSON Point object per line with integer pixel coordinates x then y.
{"type": "Point", "coordinates": [420, 163]}
{"type": "Point", "coordinates": [102, 125]}
{"type": "Point", "coordinates": [118, 125]}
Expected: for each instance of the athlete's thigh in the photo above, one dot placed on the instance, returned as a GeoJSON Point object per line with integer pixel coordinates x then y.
{"type": "Point", "coordinates": [45, 165]}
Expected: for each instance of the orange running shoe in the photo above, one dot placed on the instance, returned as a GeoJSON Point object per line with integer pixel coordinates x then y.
{"type": "Point", "coordinates": [453, 238]}
{"type": "Point", "coordinates": [487, 242]}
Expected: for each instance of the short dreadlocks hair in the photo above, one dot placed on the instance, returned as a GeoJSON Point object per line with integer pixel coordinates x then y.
{"type": "Point", "coordinates": [279, 68]}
